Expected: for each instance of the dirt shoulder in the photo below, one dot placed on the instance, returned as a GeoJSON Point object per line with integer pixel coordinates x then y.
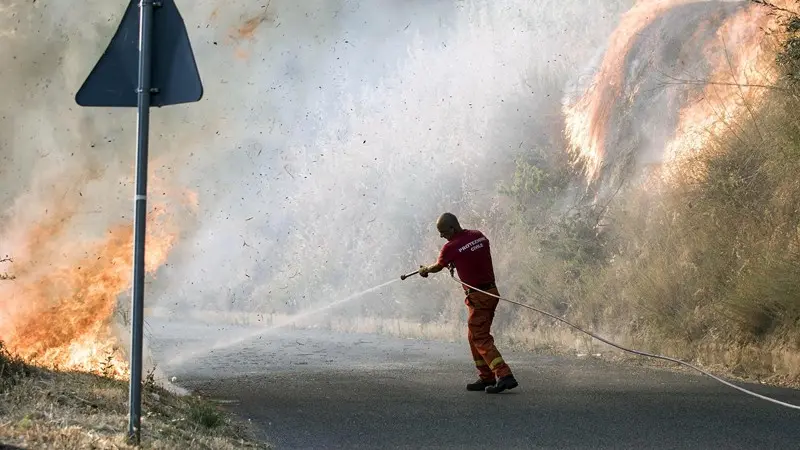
{"type": "Point", "coordinates": [48, 409]}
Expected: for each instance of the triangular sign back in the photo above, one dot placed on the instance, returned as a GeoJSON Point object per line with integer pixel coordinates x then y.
{"type": "Point", "coordinates": [114, 79]}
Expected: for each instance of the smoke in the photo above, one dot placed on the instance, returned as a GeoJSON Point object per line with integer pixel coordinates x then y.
{"type": "Point", "coordinates": [342, 147]}
{"type": "Point", "coordinates": [330, 137]}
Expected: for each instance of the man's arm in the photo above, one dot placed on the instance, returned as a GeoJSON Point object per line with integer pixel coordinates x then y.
{"type": "Point", "coordinates": [441, 262]}
{"type": "Point", "coordinates": [434, 268]}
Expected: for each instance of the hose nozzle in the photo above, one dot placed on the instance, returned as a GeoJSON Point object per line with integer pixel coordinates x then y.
{"type": "Point", "coordinates": [403, 277]}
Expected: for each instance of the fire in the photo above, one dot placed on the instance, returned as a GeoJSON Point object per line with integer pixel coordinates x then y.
{"type": "Point", "coordinates": [59, 311]}
{"type": "Point", "coordinates": [744, 65]}
{"type": "Point", "coordinates": [741, 66]}
{"type": "Point", "coordinates": [587, 119]}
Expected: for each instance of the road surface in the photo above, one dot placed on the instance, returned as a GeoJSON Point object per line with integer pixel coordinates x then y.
{"type": "Point", "coordinates": [316, 389]}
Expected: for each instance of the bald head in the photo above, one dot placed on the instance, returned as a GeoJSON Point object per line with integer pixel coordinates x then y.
{"type": "Point", "coordinates": [448, 225]}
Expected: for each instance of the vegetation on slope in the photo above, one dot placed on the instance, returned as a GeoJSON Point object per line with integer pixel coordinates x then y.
{"type": "Point", "coordinates": [706, 269]}
{"type": "Point", "coordinates": [49, 409]}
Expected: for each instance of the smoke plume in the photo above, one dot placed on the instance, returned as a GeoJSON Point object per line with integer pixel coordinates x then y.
{"type": "Point", "coordinates": [331, 136]}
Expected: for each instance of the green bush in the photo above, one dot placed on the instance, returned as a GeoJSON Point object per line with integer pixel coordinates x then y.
{"type": "Point", "coordinates": [206, 414]}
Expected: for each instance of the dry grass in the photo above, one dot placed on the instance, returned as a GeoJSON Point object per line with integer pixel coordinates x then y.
{"type": "Point", "coordinates": [714, 262]}
{"type": "Point", "coordinates": [46, 409]}
{"type": "Point", "coordinates": [707, 269]}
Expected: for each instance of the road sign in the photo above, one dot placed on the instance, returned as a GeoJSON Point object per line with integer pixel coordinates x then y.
{"type": "Point", "coordinates": [174, 77]}
{"type": "Point", "coordinates": [149, 62]}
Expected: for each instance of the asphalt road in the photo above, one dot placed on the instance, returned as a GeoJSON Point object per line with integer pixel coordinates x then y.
{"type": "Point", "coordinates": [313, 389]}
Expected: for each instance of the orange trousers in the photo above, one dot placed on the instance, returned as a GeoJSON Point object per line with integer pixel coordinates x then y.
{"type": "Point", "coordinates": [488, 361]}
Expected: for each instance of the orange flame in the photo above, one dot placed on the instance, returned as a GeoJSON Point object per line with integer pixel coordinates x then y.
{"type": "Point", "coordinates": [59, 310]}
{"type": "Point", "coordinates": [738, 56]}
{"type": "Point", "coordinates": [587, 119]}
{"type": "Point", "coordinates": [744, 67]}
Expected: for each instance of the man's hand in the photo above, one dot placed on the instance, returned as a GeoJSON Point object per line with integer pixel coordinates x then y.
{"type": "Point", "coordinates": [423, 271]}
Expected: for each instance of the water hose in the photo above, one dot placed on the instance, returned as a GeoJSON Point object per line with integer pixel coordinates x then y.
{"type": "Point", "coordinates": [606, 341]}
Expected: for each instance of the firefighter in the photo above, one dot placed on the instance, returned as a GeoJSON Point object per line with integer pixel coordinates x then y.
{"type": "Point", "coordinates": [469, 252]}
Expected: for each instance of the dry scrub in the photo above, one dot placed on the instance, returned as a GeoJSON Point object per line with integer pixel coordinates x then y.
{"type": "Point", "coordinates": [47, 409]}
{"type": "Point", "coordinates": [705, 267]}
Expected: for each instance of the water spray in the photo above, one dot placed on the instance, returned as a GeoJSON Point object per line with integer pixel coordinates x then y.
{"type": "Point", "coordinates": [276, 326]}
{"type": "Point", "coordinates": [606, 341]}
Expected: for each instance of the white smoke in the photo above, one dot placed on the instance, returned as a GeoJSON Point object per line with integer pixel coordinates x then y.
{"type": "Point", "coordinates": [404, 115]}
{"type": "Point", "coordinates": [328, 141]}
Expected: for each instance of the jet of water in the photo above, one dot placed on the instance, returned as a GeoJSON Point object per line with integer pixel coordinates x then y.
{"type": "Point", "coordinates": [184, 356]}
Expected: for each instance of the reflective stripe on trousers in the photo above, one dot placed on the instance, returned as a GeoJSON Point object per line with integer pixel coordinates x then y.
{"type": "Point", "coordinates": [488, 361]}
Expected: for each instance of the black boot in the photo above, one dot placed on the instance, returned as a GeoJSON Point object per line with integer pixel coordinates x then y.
{"type": "Point", "coordinates": [480, 385]}
{"type": "Point", "coordinates": [507, 382]}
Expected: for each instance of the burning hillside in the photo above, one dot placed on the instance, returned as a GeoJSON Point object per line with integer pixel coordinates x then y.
{"type": "Point", "coordinates": [674, 74]}
{"type": "Point", "coordinates": [279, 164]}
{"type": "Point", "coordinates": [59, 310]}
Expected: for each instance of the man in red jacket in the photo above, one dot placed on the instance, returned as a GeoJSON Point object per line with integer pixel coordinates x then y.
{"type": "Point", "coordinates": [468, 251]}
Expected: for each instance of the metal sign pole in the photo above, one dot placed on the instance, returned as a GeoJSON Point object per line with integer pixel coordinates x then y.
{"type": "Point", "coordinates": [113, 82]}
{"type": "Point", "coordinates": [140, 218]}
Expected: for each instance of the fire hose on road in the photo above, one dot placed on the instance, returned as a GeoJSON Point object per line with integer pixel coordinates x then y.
{"type": "Point", "coordinates": [606, 341]}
